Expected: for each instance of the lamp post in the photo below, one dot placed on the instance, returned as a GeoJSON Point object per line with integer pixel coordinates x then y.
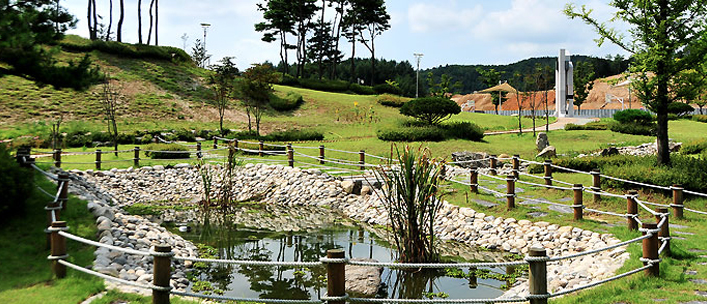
{"type": "Point", "coordinates": [205, 26]}
{"type": "Point", "coordinates": [418, 57]}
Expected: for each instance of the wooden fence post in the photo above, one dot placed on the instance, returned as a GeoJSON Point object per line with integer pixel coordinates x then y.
{"type": "Point", "coordinates": [677, 204]}
{"type": "Point", "coordinates": [493, 164]}
{"type": "Point", "coordinates": [596, 184]}
{"type": "Point", "coordinates": [516, 165]}
{"type": "Point", "coordinates": [58, 248]}
{"type": "Point", "coordinates": [231, 152]}
{"type": "Point", "coordinates": [215, 142]}
{"type": "Point", "coordinates": [198, 150]}
{"type": "Point", "coordinates": [161, 273]}
{"type": "Point", "coordinates": [650, 249]}
{"type": "Point", "coordinates": [63, 178]}
{"type": "Point", "coordinates": [336, 276]}
{"type": "Point", "coordinates": [290, 156]}
{"type": "Point", "coordinates": [664, 232]}
{"type": "Point", "coordinates": [362, 159]}
{"type": "Point", "coordinates": [136, 158]}
{"type": "Point", "coordinates": [537, 275]}
{"type": "Point", "coordinates": [632, 210]}
{"type": "Point", "coordinates": [22, 156]}
{"type": "Point", "coordinates": [578, 203]}
{"type": "Point", "coordinates": [57, 158]}
{"type": "Point", "coordinates": [474, 180]}
{"type": "Point", "coordinates": [547, 168]}
{"type": "Point", "coordinates": [321, 154]}
{"type": "Point", "coordinates": [260, 148]}
{"type": "Point", "coordinates": [511, 192]}
{"type": "Point", "coordinates": [473, 280]}
{"type": "Point", "coordinates": [98, 159]}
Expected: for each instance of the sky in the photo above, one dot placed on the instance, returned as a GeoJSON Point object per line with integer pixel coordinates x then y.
{"type": "Point", "coordinates": [445, 31]}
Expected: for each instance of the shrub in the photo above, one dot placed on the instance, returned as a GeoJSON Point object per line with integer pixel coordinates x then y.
{"type": "Point", "coordinates": [464, 130]}
{"type": "Point", "coordinates": [146, 139]}
{"type": "Point", "coordinates": [391, 100]}
{"type": "Point", "coordinates": [694, 147]}
{"type": "Point", "coordinates": [127, 138]}
{"type": "Point", "coordinates": [16, 183]}
{"type": "Point", "coordinates": [633, 128]}
{"type": "Point", "coordinates": [287, 79]}
{"type": "Point", "coordinates": [294, 135]}
{"type": "Point", "coordinates": [140, 51]}
{"type": "Point", "coordinates": [324, 85]}
{"type": "Point", "coordinates": [169, 151]}
{"type": "Point", "coordinates": [431, 110]}
{"type": "Point", "coordinates": [426, 133]}
{"type": "Point", "coordinates": [184, 135]}
{"type": "Point", "coordinates": [586, 163]}
{"type": "Point", "coordinates": [680, 108]}
{"type": "Point", "coordinates": [633, 116]}
{"type": "Point", "coordinates": [685, 170]}
{"type": "Point", "coordinates": [361, 89]}
{"type": "Point", "coordinates": [101, 136]}
{"type": "Point", "coordinates": [593, 126]}
{"type": "Point", "coordinates": [700, 118]}
{"type": "Point", "coordinates": [385, 88]}
{"type": "Point", "coordinates": [290, 102]}
{"type": "Point", "coordinates": [78, 138]}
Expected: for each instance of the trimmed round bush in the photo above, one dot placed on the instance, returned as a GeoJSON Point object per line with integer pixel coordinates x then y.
{"type": "Point", "coordinates": [431, 110]}
{"type": "Point", "coordinates": [680, 108]}
{"type": "Point", "coordinates": [426, 133]}
{"type": "Point", "coordinates": [633, 116]}
{"type": "Point", "coordinates": [168, 149]}
{"type": "Point", "coordinates": [633, 128]}
{"type": "Point", "coordinates": [385, 88]}
{"type": "Point", "coordinates": [464, 130]}
{"type": "Point", "coordinates": [290, 102]}
{"type": "Point", "coordinates": [391, 100]}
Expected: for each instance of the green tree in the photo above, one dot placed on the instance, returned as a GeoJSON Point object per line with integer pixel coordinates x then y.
{"type": "Point", "coordinates": [199, 55]}
{"type": "Point", "coordinates": [583, 83]}
{"type": "Point", "coordinates": [444, 87]}
{"type": "Point", "coordinates": [278, 23]}
{"type": "Point", "coordinates": [223, 81]}
{"type": "Point", "coordinates": [109, 103]}
{"type": "Point", "coordinates": [666, 38]}
{"type": "Point", "coordinates": [375, 20]}
{"type": "Point", "coordinates": [255, 89]}
{"type": "Point", "coordinates": [490, 78]}
{"type": "Point", "coordinates": [430, 110]}
{"type": "Point", "coordinates": [353, 25]}
{"type": "Point", "coordinates": [119, 32]}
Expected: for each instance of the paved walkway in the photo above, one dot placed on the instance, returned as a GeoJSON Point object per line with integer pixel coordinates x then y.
{"type": "Point", "coordinates": [559, 124]}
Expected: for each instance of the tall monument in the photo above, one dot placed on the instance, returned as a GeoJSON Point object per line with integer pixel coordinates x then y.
{"type": "Point", "coordinates": [564, 90]}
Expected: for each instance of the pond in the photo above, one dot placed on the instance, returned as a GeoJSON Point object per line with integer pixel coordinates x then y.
{"type": "Point", "coordinates": [241, 237]}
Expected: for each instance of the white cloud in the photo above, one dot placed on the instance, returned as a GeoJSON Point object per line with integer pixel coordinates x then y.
{"type": "Point", "coordinates": [440, 17]}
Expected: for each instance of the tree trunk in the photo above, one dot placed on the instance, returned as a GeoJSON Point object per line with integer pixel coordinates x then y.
{"type": "Point", "coordinates": [353, 56]}
{"type": "Point", "coordinates": [139, 21]}
{"type": "Point", "coordinates": [662, 92]}
{"type": "Point", "coordinates": [373, 62]}
{"type": "Point", "coordinates": [149, 30]}
{"type": "Point", "coordinates": [95, 20]}
{"type": "Point", "coordinates": [110, 22]}
{"type": "Point", "coordinates": [91, 33]}
{"type": "Point", "coordinates": [119, 34]}
{"type": "Point", "coordinates": [157, 17]}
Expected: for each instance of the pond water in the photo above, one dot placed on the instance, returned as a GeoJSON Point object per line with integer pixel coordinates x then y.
{"type": "Point", "coordinates": [235, 241]}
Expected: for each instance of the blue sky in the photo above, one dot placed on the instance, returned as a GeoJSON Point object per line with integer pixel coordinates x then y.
{"type": "Point", "coordinates": [445, 31]}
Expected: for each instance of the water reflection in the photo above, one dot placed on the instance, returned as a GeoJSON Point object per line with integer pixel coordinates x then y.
{"type": "Point", "coordinates": [234, 241]}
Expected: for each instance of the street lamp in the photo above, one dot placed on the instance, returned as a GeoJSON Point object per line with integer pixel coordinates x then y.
{"type": "Point", "coordinates": [418, 57]}
{"type": "Point", "coordinates": [205, 26]}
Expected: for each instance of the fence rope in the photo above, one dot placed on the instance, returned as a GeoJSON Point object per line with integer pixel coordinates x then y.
{"type": "Point", "coordinates": [643, 205]}
{"type": "Point", "coordinates": [249, 262]}
{"type": "Point", "coordinates": [494, 192]}
{"type": "Point", "coordinates": [570, 169]}
{"type": "Point", "coordinates": [545, 186]}
{"type": "Point", "coordinates": [589, 190]}
{"type": "Point", "coordinates": [616, 277]}
{"type": "Point", "coordinates": [606, 212]}
{"type": "Point", "coordinates": [45, 192]}
{"type": "Point", "coordinates": [434, 265]}
{"type": "Point", "coordinates": [112, 278]}
{"type": "Point", "coordinates": [449, 301]}
{"type": "Point", "coordinates": [636, 183]}
{"type": "Point", "coordinates": [468, 161]}
{"type": "Point", "coordinates": [47, 174]}
{"type": "Point", "coordinates": [695, 193]}
{"type": "Point", "coordinates": [624, 243]}
{"type": "Point", "coordinates": [97, 244]}
{"type": "Point", "coordinates": [695, 211]}
{"type": "Point", "coordinates": [249, 300]}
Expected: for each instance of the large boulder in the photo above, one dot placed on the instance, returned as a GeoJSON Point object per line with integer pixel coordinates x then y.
{"type": "Point", "coordinates": [542, 142]}
{"type": "Point", "coordinates": [548, 152]}
{"type": "Point", "coordinates": [363, 280]}
{"type": "Point", "coordinates": [466, 157]}
{"type": "Point", "coordinates": [352, 186]}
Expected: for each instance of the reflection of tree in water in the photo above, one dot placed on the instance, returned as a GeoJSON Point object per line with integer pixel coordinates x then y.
{"type": "Point", "coordinates": [413, 284]}
{"type": "Point", "coordinates": [248, 244]}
